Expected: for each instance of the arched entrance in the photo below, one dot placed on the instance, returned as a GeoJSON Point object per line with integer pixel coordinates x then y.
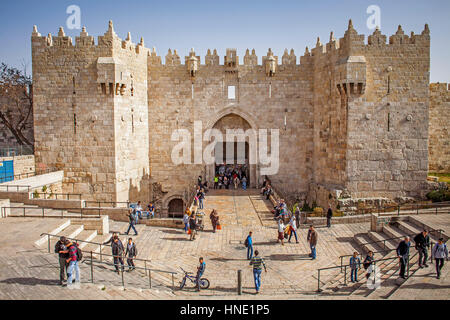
{"type": "Point", "coordinates": [176, 208]}
{"type": "Point", "coordinates": [232, 155]}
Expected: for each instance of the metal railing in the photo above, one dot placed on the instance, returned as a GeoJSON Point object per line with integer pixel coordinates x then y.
{"type": "Point", "coordinates": [108, 204]}
{"type": "Point", "coordinates": [41, 212]}
{"type": "Point", "coordinates": [92, 260]}
{"type": "Point", "coordinates": [55, 196]}
{"type": "Point", "coordinates": [17, 151]}
{"type": "Point", "coordinates": [384, 244]}
{"type": "Point", "coordinates": [15, 188]}
{"type": "Point", "coordinates": [24, 175]}
{"type": "Point", "coordinates": [374, 262]}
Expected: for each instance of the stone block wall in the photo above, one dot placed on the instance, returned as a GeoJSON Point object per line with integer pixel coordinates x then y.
{"type": "Point", "coordinates": [439, 141]}
{"type": "Point", "coordinates": [352, 117]}
{"type": "Point", "coordinates": [87, 99]}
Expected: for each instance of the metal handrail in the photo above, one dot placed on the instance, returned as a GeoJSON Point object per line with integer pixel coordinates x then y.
{"type": "Point", "coordinates": [384, 245]}
{"type": "Point", "coordinates": [66, 195]}
{"type": "Point", "coordinates": [91, 255]}
{"type": "Point", "coordinates": [114, 203]}
{"type": "Point", "coordinates": [8, 186]}
{"type": "Point", "coordinates": [372, 262]}
{"type": "Point", "coordinates": [401, 237]}
{"type": "Point", "coordinates": [64, 212]}
{"type": "Point", "coordinates": [26, 174]}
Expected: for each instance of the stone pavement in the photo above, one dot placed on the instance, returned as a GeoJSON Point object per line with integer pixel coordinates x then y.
{"type": "Point", "coordinates": [291, 273]}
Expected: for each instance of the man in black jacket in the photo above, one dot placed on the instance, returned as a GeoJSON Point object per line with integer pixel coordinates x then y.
{"type": "Point", "coordinates": [131, 253]}
{"type": "Point", "coordinates": [61, 249]}
{"type": "Point", "coordinates": [192, 226]}
{"type": "Point", "coordinates": [329, 215]}
{"type": "Point", "coordinates": [117, 252]}
{"type": "Point", "coordinates": [403, 255]}
{"type": "Point", "coordinates": [422, 241]}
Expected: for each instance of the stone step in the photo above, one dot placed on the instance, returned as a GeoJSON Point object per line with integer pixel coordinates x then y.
{"type": "Point", "coordinates": [390, 281]}
{"type": "Point", "coordinates": [413, 230]}
{"type": "Point", "coordinates": [383, 242]}
{"type": "Point", "coordinates": [421, 226]}
{"type": "Point", "coordinates": [72, 231]}
{"type": "Point", "coordinates": [98, 239]}
{"type": "Point", "coordinates": [362, 241]}
{"type": "Point", "coordinates": [44, 239]}
{"type": "Point", "coordinates": [86, 235]}
{"type": "Point", "coordinates": [393, 232]}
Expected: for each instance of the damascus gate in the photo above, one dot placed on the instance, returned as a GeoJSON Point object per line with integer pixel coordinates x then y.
{"type": "Point", "coordinates": [350, 116]}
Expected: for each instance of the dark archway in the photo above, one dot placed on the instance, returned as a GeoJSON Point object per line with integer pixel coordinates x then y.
{"type": "Point", "coordinates": [176, 208]}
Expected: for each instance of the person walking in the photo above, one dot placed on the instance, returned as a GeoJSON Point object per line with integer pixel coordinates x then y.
{"type": "Point", "coordinates": [111, 240]}
{"type": "Point", "coordinates": [368, 264]}
{"type": "Point", "coordinates": [244, 183]}
{"type": "Point", "coordinates": [63, 255]}
{"type": "Point", "coordinates": [214, 219]}
{"type": "Point", "coordinates": [192, 226]}
{"type": "Point", "coordinates": [293, 228]}
{"type": "Point", "coordinates": [329, 216]}
{"type": "Point", "coordinates": [312, 239]}
{"type": "Point", "coordinates": [200, 271]}
{"type": "Point", "coordinates": [216, 182]}
{"type": "Point", "coordinates": [117, 252]}
{"type": "Point", "coordinates": [131, 253]}
{"type": "Point", "coordinates": [257, 263]}
{"type": "Point", "coordinates": [439, 252]}
{"type": "Point", "coordinates": [403, 255]}
{"type": "Point", "coordinates": [422, 241]}
{"type": "Point", "coordinates": [201, 198]}
{"type": "Point", "coordinates": [281, 228]}
{"type": "Point", "coordinates": [132, 218]}
{"type": "Point", "coordinates": [186, 221]}
{"type": "Point", "coordinates": [249, 244]}
{"type": "Point", "coordinates": [72, 260]}
{"type": "Point", "coordinates": [355, 265]}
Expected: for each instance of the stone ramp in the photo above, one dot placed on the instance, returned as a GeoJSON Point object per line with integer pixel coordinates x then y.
{"type": "Point", "coordinates": [238, 207]}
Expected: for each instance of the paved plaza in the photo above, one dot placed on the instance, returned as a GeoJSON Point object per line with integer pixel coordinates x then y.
{"type": "Point", "coordinates": [31, 273]}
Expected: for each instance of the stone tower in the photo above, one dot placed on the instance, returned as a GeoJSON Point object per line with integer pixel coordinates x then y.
{"type": "Point", "coordinates": [90, 111]}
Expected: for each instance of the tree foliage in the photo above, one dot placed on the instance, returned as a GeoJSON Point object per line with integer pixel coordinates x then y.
{"type": "Point", "coordinates": [16, 101]}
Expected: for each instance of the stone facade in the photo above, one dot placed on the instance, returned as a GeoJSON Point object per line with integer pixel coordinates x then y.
{"type": "Point", "coordinates": [353, 117]}
{"type": "Point", "coordinates": [439, 149]}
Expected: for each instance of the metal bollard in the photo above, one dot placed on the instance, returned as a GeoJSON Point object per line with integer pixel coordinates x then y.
{"type": "Point", "coordinates": [239, 281]}
{"type": "Point", "coordinates": [92, 269]}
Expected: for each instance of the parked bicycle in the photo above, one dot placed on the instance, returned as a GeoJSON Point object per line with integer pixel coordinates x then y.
{"type": "Point", "coordinates": [204, 283]}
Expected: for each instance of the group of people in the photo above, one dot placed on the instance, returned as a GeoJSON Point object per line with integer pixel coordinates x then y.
{"type": "Point", "coordinates": [69, 255]}
{"type": "Point", "coordinates": [192, 224]}
{"type": "Point", "coordinates": [230, 176]}
{"type": "Point", "coordinates": [422, 244]}
{"type": "Point", "coordinates": [119, 252]}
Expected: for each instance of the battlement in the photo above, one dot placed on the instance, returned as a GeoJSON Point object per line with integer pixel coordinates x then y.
{"type": "Point", "coordinates": [354, 41]}
{"type": "Point", "coordinates": [85, 41]}
{"type": "Point", "coordinates": [440, 87]}
{"type": "Point", "coordinates": [345, 46]}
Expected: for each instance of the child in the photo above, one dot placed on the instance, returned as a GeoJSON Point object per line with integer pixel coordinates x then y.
{"type": "Point", "coordinates": [355, 265]}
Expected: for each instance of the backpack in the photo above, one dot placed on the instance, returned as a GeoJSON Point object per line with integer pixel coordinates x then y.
{"type": "Point", "coordinates": [79, 253]}
{"type": "Point", "coordinates": [246, 243]}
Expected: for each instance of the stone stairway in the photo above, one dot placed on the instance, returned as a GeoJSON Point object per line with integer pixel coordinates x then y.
{"type": "Point", "coordinates": [385, 248]}
{"type": "Point", "coordinates": [35, 274]}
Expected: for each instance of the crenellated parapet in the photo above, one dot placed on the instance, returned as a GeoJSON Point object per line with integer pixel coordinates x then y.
{"type": "Point", "coordinates": [212, 59]}
{"type": "Point", "coordinates": [109, 40]}
{"type": "Point", "coordinates": [250, 60]}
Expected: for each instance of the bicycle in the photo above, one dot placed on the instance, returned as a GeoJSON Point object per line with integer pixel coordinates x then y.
{"type": "Point", "coordinates": [204, 283]}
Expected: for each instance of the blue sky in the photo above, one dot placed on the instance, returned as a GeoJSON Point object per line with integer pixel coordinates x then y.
{"type": "Point", "coordinates": [225, 24]}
